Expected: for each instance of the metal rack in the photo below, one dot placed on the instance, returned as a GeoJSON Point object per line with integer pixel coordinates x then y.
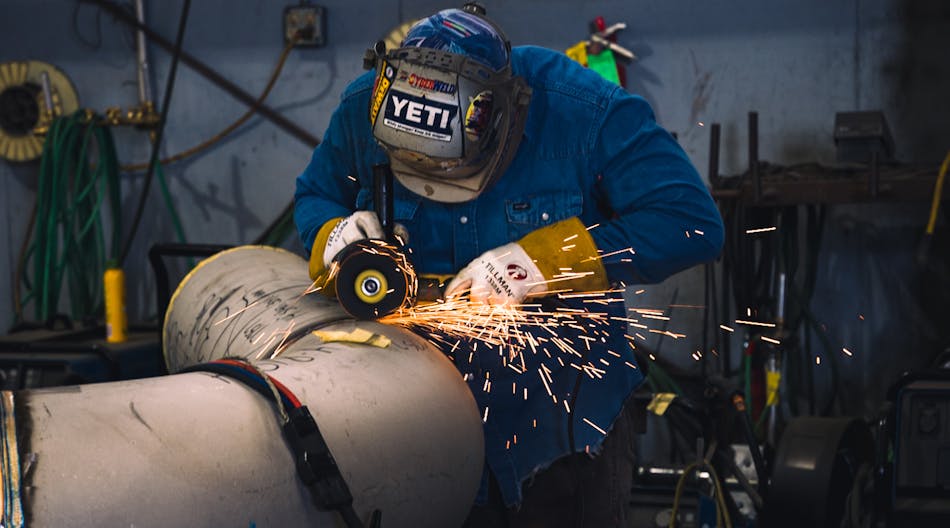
{"type": "Point", "coordinates": [767, 185]}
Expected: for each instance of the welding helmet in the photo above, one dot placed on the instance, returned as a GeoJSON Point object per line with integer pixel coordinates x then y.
{"type": "Point", "coordinates": [445, 106]}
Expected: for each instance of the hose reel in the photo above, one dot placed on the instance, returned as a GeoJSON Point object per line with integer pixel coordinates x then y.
{"type": "Point", "coordinates": [32, 93]}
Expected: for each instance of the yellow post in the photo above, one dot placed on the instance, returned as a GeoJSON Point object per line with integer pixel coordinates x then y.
{"type": "Point", "coordinates": [116, 323]}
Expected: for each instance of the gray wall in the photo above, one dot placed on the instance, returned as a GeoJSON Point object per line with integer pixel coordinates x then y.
{"type": "Point", "coordinates": [700, 61]}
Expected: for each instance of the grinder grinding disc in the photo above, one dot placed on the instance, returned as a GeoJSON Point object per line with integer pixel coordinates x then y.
{"type": "Point", "coordinates": [374, 279]}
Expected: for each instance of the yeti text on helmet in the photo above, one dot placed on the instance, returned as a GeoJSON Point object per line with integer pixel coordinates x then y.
{"type": "Point", "coordinates": [445, 106]}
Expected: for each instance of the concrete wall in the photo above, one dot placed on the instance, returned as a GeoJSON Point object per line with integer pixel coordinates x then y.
{"type": "Point", "coordinates": [700, 61]}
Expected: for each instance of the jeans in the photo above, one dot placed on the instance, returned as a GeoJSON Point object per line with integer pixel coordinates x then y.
{"type": "Point", "coordinates": [575, 491]}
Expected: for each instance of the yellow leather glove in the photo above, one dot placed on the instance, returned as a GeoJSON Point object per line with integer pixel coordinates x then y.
{"type": "Point", "coordinates": [319, 270]}
{"type": "Point", "coordinates": [336, 234]}
{"type": "Point", "coordinates": [558, 257]}
{"type": "Point", "coordinates": [567, 256]}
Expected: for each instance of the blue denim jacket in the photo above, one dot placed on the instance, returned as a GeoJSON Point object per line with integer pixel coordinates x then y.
{"type": "Point", "coordinates": [590, 150]}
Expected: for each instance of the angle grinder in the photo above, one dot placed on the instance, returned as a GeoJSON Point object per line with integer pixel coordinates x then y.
{"type": "Point", "coordinates": [375, 277]}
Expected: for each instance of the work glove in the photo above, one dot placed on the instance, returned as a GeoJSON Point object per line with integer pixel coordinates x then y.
{"type": "Point", "coordinates": [558, 257]}
{"type": "Point", "coordinates": [337, 233]}
{"type": "Point", "coordinates": [504, 275]}
{"type": "Point", "coordinates": [360, 225]}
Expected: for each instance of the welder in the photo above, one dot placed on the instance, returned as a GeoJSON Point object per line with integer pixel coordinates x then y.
{"type": "Point", "coordinates": [522, 174]}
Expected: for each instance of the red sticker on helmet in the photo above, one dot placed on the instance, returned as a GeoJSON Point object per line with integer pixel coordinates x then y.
{"type": "Point", "coordinates": [478, 115]}
{"type": "Point", "coordinates": [427, 84]}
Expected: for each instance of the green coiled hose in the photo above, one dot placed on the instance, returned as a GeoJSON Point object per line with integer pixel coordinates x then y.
{"type": "Point", "coordinates": [76, 231]}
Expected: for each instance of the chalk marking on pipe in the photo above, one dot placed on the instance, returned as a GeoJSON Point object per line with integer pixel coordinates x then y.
{"type": "Point", "coordinates": [139, 417]}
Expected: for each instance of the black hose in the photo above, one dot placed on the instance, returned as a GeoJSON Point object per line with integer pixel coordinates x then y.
{"type": "Point", "coordinates": [277, 227]}
{"type": "Point", "coordinates": [757, 459]}
{"type": "Point", "coordinates": [169, 87]}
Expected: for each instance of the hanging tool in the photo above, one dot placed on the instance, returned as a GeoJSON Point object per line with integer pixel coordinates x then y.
{"type": "Point", "coordinates": [597, 52]}
{"type": "Point", "coordinates": [605, 37]}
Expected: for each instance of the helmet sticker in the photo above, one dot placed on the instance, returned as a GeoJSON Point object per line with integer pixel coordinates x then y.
{"type": "Point", "coordinates": [478, 115]}
{"type": "Point", "coordinates": [383, 81]}
{"type": "Point", "coordinates": [419, 115]}
{"type": "Point", "coordinates": [458, 27]}
{"type": "Point", "coordinates": [427, 84]}
{"type": "Point", "coordinates": [462, 33]}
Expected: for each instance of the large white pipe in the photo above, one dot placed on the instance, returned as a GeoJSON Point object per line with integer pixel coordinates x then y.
{"type": "Point", "coordinates": [198, 449]}
{"type": "Point", "coordinates": [246, 302]}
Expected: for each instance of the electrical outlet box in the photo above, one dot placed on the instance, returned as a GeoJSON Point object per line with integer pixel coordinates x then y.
{"type": "Point", "coordinates": [307, 24]}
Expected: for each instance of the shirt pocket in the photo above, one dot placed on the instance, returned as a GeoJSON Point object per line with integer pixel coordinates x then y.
{"type": "Point", "coordinates": [527, 213]}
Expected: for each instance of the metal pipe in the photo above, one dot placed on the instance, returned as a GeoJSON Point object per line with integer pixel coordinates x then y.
{"type": "Point", "coordinates": [156, 257]}
{"type": "Point", "coordinates": [774, 362]}
{"type": "Point", "coordinates": [199, 449]}
{"type": "Point", "coordinates": [245, 302]}
{"type": "Point", "coordinates": [205, 71]}
{"type": "Point", "coordinates": [715, 132]}
{"type": "Point", "coordinates": [754, 156]}
{"type": "Point", "coordinates": [780, 301]}
{"type": "Point", "coordinates": [145, 89]}
{"type": "Point", "coordinates": [47, 92]}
